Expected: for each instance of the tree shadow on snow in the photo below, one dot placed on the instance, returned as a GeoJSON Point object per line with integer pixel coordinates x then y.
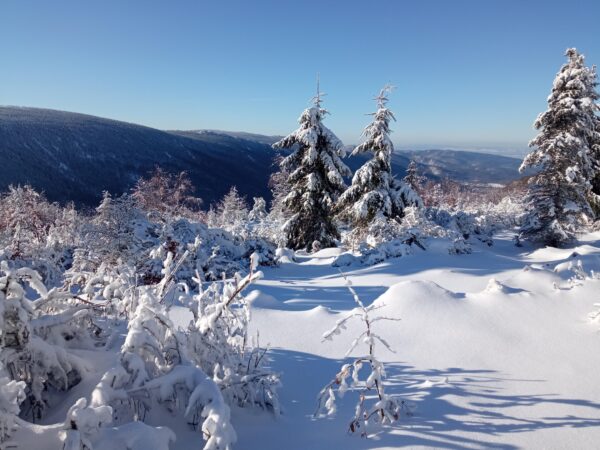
{"type": "Point", "coordinates": [456, 408]}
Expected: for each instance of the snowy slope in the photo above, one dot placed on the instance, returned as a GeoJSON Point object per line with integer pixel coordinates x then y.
{"type": "Point", "coordinates": [511, 363]}
{"type": "Point", "coordinates": [494, 349]}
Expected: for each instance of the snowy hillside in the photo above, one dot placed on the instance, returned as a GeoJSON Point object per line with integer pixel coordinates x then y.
{"type": "Point", "coordinates": [494, 349]}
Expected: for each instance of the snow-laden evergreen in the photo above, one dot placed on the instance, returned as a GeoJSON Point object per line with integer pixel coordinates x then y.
{"type": "Point", "coordinates": [231, 213]}
{"type": "Point", "coordinates": [595, 149]}
{"type": "Point", "coordinates": [558, 195]}
{"type": "Point", "coordinates": [259, 210]}
{"type": "Point", "coordinates": [413, 178]}
{"type": "Point", "coordinates": [316, 180]}
{"type": "Point", "coordinates": [375, 193]}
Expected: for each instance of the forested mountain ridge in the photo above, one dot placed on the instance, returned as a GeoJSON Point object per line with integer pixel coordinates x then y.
{"type": "Point", "coordinates": [74, 157]}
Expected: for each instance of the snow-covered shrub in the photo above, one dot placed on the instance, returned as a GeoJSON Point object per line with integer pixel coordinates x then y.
{"type": "Point", "coordinates": [12, 394]}
{"type": "Point", "coordinates": [82, 424]}
{"type": "Point", "coordinates": [165, 195]}
{"type": "Point", "coordinates": [36, 233]}
{"type": "Point", "coordinates": [218, 342]}
{"type": "Point", "coordinates": [383, 409]}
{"type": "Point", "coordinates": [386, 238]}
{"type": "Point", "coordinates": [197, 372]}
{"type": "Point", "coordinates": [212, 252]}
{"type": "Point", "coordinates": [120, 234]}
{"type": "Point", "coordinates": [35, 334]}
{"type": "Point", "coordinates": [157, 370]}
{"type": "Point", "coordinates": [285, 255]}
{"type": "Point", "coordinates": [112, 235]}
{"type": "Point", "coordinates": [462, 225]}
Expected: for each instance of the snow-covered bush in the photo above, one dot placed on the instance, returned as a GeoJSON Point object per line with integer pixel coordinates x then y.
{"type": "Point", "coordinates": [120, 234]}
{"type": "Point", "coordinates": [165, 195]}
{"type": "Point", "coordinates": [12, 394]}
{"type": "Point", "coordinates": [35, 335]}
{"type": "Point", "coordinates": [197, 372]}
{"type": "Point", "coordinates": [36, 233]}
{"type": "Point", "coordinates": [383, 409]}
{"type": "Point", "coordinates": [82, 424]}
{"type": "Point", "coordinates": [386, 238]}
{"type": "Point", "coordinates": [218, 342]}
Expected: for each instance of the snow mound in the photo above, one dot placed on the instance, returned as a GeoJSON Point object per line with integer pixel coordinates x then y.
{"type": "Point", "coordinates": [258, 299]}
{"type": "Point", "coordinates": [557, 254]}
{"type": "Point", "coordinates": [285, 256]}
{"type": "Point", "coordinates": [535, 279]}
{"type": "Point", "coordinates": [344, 260]}
{"type": "Point", "coordinates": [494, 286]}
{"type": "Point", "coordinates": [323, 257]}
{"type": "Point", "coordinates": [415, 294]}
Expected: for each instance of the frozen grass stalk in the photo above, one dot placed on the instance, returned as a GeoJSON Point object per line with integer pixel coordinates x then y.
{"type": "Point", "coordinates": [380, 408]}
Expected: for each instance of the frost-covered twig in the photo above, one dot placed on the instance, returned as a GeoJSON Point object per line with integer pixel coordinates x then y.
{"type": "Point", "coordinates": [385, 409]}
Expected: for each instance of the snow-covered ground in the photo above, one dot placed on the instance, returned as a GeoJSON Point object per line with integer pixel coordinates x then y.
{"type": "Point", "coordinates": [495, 349]}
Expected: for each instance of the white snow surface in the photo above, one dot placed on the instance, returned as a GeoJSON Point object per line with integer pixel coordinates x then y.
{"type": "Point", "coordinates": [495, 350]}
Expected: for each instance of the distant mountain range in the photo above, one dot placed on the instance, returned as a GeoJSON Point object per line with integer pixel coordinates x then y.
{"type": "Point", "coordinates": [74, 157]}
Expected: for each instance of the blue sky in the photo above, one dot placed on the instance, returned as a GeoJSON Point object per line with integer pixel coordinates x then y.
{"type": "Point", "coordinates": [469, 74]}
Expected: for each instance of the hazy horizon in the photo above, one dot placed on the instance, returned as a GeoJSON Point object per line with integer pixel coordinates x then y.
{"type": "Point", "coordinates": [469, 74]}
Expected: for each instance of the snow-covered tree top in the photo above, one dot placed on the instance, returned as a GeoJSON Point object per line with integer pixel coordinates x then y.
{"type": "Point", "coordinates": [377, 132]}
{"type": "Point", "coordinates": [570, 121]}
{"type": "Point", "coordinates": [311, 127]}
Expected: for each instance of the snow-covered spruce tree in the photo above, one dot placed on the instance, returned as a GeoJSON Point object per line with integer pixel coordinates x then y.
{"type": "Point", "coordinates": [375, 193]}
{"type": "Point", "coordinates": [259, 210]}
{"type": "Point", "coordinates": [595, 155]}
{"type": "Point", "coordinates": [231, 213]}
{"type": "Point", "coordinates": [413, 178]}
{"type": "Point", "coordinates": [316, 180]}
{"type": "Point", "coordinates": [558, 195]}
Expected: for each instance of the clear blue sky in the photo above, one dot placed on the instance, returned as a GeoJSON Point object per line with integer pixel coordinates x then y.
{"type": "Point", "coordinates": [468, 73]}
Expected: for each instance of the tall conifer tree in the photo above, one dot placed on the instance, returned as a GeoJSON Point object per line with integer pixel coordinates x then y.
{"type": "Point", "coordinates": [558, 194]}
{"type": "Point", "coordinates": [316, 179]}
{"type": "Point", "coordinates": [375, 193]}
